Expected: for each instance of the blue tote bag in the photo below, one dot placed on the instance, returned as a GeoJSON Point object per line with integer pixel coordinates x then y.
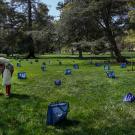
{"type": "Point", "coordinates": [57, 112]}
{"type": "Point", "coordinates": [129, 98]}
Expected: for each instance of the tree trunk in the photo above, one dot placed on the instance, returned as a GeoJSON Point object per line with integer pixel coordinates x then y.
{"type": "Point", "coordinates": [59, 49]}
{"type": "Point", "coordinates": [112, 53]}
{"type": "Point", "coordinates": [72, 51]}
{"type": "Point", "coordinates": [29, 15]}
{"type": "Point", "coordinates": [30, 47]}
{"type": "Point", "coordinates": [109, 33]}
{"type": "Point", "coordinates": [31, 44]}
{"type": "Point", "coordinates": [31, 51]}
{"type": "Point", "coordinates": [80, 53]}
{"type": "Point", "coordinates": [116, 51]}
{"type": "Point", "coordinates": [114, 47]}
{"type": "Point", "coordinates": [12, 51]}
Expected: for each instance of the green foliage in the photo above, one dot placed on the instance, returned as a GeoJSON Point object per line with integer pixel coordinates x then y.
{"type": "Point", "coordinates": [42, 19]}
{"type": "Point", "coordinates": [92, 20]}
{"type": "Point", "coordinates": [76, 25]}
{"type": "Point", "coordinates": [130, 34]}
{"type": "Point", "coordinates": [132, 14]}
{"type": "Point", "coordinates": [129, 39]}
{"type": "Point", "coordinates": [14, 24]}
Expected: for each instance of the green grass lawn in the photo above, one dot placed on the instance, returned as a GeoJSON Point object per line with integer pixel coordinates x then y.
{"type": "Point", "coordinates": [96, 106]}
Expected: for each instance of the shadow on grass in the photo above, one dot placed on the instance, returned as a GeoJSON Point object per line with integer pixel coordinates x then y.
{"type": "Point", "coordinates": [67, 123]}
{"type": "Point", "coordinates": [117, 77]}
{"type": "Point", "coordinates": [18, 96]}
{"type": "Point", "coordinates": [1, 94]}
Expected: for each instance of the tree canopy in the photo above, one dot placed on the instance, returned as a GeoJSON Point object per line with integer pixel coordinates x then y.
{"type": "Point", "coordinates": [85, 25]}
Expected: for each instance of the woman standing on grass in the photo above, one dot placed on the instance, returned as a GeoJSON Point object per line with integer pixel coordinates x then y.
{"type": "Point", "coordinates": [7, 76]}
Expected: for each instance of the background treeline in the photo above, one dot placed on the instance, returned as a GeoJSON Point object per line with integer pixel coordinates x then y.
{"type": "Point", "coordinates": [84, 25]}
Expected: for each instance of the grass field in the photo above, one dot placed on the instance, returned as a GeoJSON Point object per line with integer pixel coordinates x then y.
{"type": "Point", "coordinates": [96, 106]}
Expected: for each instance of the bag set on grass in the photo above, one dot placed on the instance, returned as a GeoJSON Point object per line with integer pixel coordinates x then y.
{"type": "Point", "coordinates": [57, 82]}
{"type": "Point", "coordinates": [106, 67]}
{"type": "Point", "coordinates": [97, 64]}
{"type": "Point", "coordinates": [110, 74]}
{"type": "Point", "coordinates": [68, 72]}
{"type": "Point", "coordinates": [129, 98]}
{"type": "Point", "coordinates": [18, 64]}
{"type": "Point", "coordinates": [22, 75]}
{"type": "Point", "coordinates": [123, 65]}
{"type": "Point", "coordinates": [76, 66]}
{"type": "Point", "coordinates": [57, 112]}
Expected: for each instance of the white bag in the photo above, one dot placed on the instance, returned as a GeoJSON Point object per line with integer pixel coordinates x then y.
{"type": "Point", "coordinates": [6, 77]}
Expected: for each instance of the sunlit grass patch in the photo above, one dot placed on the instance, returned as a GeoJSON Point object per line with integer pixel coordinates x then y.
{"type": "Point", "coordinates": [96, 106]}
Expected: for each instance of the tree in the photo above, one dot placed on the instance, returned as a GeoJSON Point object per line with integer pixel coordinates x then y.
{"type": "Point", "coordinates": [131, 14]}
{"type": "Point", "coordinates": [27, 5]}
{"type": "Point", "coordinates": [11, 22]}
{"type": "Point", "coordinates": [41, 18]}
{"type": "Point", "coordinates": [129, 39]}
{"type": "Point", "coordinates": [37, 20]}
{"type": "Point", "coordinates": [76, 26]}
{"type": "Point", "coordinates": [59, 36]}
{"type": "Point", "coordinates": [43, 29]}
{"type": "Point", "coordinates": [110, 16]}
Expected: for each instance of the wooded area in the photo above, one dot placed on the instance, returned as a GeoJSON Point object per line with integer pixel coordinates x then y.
{"type": "Point", "coordinates": [84, 26]}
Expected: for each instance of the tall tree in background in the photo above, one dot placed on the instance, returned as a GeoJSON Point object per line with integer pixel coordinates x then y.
{"type": "Point", "coordinates": [10, 22]}
{"type": "Point", "coordinates": [108, 15]}
{"type": "Point", "coordinates": [111, 15]}
{"type": "Point", "coordinates": [43, 28]}
{"type": "Point", "coordinates": [41, 18]}
{"type": "Point", "coordinates": [76, 26]}
{"type": "Point", "coordinates": [27, 6]}
{"type": "Point", "coordinates": [38, 20]}
{"type": "Point", "coordinates": [131, 14]}
{"type": "Point", "coordinates": [29, 14]}
{"type": "Point", "coordinates": [3, 8]}
{"type": "Point", "coordinates": [129, 38]}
